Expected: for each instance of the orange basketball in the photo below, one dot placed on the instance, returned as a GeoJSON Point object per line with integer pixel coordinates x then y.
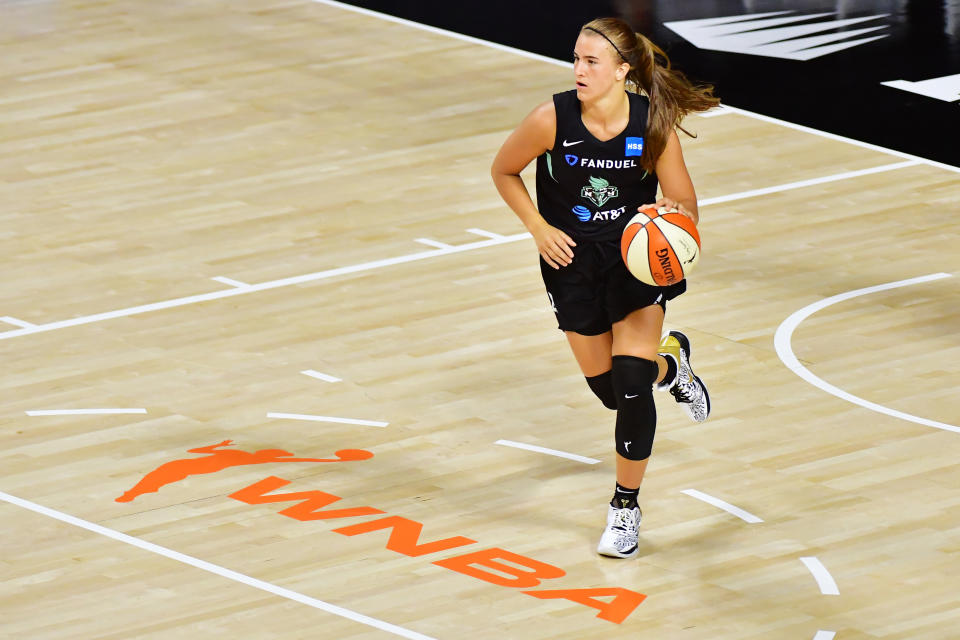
{"type": "Point", "coordinates": [660, 247]}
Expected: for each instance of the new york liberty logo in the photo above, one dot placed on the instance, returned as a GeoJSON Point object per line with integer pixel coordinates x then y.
{"type": "Point", "coordinates": [599, 191]}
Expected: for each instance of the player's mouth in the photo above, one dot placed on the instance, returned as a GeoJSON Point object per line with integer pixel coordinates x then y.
{"type": "Point", "coordinates": [581, 85]}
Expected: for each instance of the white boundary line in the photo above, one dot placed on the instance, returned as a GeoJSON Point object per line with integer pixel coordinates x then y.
{"type": "Point", "coordinates": [320, 376]}
{"type": "Point", "coordinates": [443, 32]}
{"type": "Point", "coordinates": [493, 240]}
{"type": "Point", "coordinates": [726, 506]}
{"type": "Point", "coordinates": [809, 183]}
{"type": "Point", "coordinates": [263, 286]}
{"type": "Point", "coordinates": [17, 322]}
{"type": "Point", "coordinates": [562, 63]}
{"type": "Point", "coordinates": [781, 341]}
{"type": "Point", "coordinates": [309, 418]}
{"type": "Point", "coordinates": [215, 569]}
{"type": "Point", "coordinates": [833, 136]}
{"type": "Point", "coordinates": [82, 412]}
{"type": "Point", "coordinates": [824, 580]}
{"type": "Point", "coordinates": [551, 452]}
{"type": "Point", "coordinates": [824, 635]}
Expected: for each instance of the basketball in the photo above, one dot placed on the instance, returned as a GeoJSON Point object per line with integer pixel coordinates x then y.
{"type": "Point", "coordinates": [660, 247]}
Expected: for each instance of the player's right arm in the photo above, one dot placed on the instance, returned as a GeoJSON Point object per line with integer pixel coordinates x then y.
{"type": "Point", "coordinates": [534, 136]}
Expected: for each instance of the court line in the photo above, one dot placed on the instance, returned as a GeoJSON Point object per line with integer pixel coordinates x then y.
{"type": "Point", "coordinates": [782, 338]}
{"type": "Point", "coordinates": [838, 138]}
{"type": "Point", "coordinates": [434, 243]}
{"type": "Point", "coordinates": [720, 110]}
{"type": "Point", "coordinates": [19, 323]}
{"type": "Point", "coordinates": [310, 418]}
{"type": "Point", "coordinates": [214, 568]}
{"type": "Point", "coordinates": [809, 183]}
{"type": "Point", "coordinates": [485, 234]}
{"type": "Point", "coordinates": [824, 580]}
{"type": "Point", "coordinates": [726, 506]}
{"type": "Point", "coordinates": [82, 412]}
{"type": "Point", "coordinates": [569, 65]}
{"type": "Point", "coordinates": [263, 286]}
{"type": "Point", "coordinates": [230, 281]}
{"type": "Point", "coordinates": [493, 240]}
{"type": "Point", "coordinates": [824, 635]}
{"type": "Point", "coordinates": [437, 30]}
{"type": "Point", "coordinates": [320, 376]}
{"type": "Point", "coordinates": [551, 452]}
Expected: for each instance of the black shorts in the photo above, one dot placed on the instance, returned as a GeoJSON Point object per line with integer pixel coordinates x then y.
{"type": "Point", "coordinates": [596, 290]}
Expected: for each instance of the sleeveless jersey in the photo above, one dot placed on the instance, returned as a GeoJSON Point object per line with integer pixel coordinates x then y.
{"type": "Point", "coordinates": [588, 188]}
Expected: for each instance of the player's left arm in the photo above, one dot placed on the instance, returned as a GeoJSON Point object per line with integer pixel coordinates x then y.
{"type": "Point", "coordinates": [675, 183]}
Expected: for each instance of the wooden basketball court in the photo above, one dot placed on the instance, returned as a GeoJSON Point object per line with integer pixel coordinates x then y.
{"type": "Point", "coordinates": [273, 224]}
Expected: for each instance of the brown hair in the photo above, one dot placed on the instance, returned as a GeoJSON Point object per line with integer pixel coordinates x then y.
{"type": "Point", "coordinates": [672, 95]}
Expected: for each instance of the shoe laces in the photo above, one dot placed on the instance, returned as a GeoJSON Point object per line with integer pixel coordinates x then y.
{"type": "Point", "coordinates": [625, 520]}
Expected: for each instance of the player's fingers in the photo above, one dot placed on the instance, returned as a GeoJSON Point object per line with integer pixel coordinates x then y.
{"type": "Point", "coordinates": [546, 258]}
{"type": "Point", "coordinates": [561, 253]}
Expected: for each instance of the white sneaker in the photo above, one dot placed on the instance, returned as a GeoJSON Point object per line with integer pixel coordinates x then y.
{"type": "Point", "coordinates": [687, 389]}
{"type": "Point", "coordinates": [619, 539]}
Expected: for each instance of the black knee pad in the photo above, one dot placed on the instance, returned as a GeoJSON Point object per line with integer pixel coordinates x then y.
{"type": "Point", "coordinates": [602, 387]}
{"type": "Point", "coordinates": [636, 413]}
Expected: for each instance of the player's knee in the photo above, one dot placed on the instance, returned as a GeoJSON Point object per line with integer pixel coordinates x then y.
{"type": "Point", "coordinates": [602, 387]}
{"type": "Point", "coordinates": [636, 412]}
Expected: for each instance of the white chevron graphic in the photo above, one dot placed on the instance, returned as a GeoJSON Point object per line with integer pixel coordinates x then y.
{"type": "Point", "coordinates": [761, 34]}
{"type": "Point", "coordinates": [946, 88]}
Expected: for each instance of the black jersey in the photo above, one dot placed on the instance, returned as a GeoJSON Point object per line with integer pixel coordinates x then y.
{"type": "Point", "coordinates": [589, 188]}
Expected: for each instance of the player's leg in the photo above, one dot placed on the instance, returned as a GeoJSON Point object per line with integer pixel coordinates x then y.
{"type": "Point", "coordinates": [593, 356]}
{"type": "Point", "coordinates": [636, 368]}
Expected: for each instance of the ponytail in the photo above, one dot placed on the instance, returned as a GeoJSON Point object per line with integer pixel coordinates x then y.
{"type": "Point", "coordinates": [672, 96]}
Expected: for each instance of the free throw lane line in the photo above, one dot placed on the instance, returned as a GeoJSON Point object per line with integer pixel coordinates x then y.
{"type": "Point", "coordinates": [310, 418]}
{"type": "Point", "coordinates": [82, 412]}
{"type": "Point", "coordinates": [214, 568]}
{"type": "Point", "coordinates": [549, 452]}
{"type": "Point", "coordinates": [320, 376]}
{"type": "Point", "coordinates": [726, 506]}
{"type": "Point", "coordinates": [23, 324]}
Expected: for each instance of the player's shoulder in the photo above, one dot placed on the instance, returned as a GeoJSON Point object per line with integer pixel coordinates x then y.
{"type": "Point", "coordinates": [542, 122]}
{"type": "Point", "coordinates": [544, 113]}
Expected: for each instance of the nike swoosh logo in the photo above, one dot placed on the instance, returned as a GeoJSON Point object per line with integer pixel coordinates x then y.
{"type": "Point", "coordinates": [628, 396]}
{"type": "Point", "coordinates": [570, 144]}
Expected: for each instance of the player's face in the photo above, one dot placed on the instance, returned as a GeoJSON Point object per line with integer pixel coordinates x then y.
{"type": "Point", "coordinates": [595, 66]}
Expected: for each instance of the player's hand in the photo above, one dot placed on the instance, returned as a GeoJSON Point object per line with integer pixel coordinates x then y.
{"type": "Point", "coordinates": [673, 204]}
{"type": "Point", "coordinates": [554, 245]}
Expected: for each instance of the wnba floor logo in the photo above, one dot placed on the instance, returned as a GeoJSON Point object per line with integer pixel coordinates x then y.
{"type": "Point", "coordinates": [220, 459]}
{"type": "Point", "coordinates": [493, 565]}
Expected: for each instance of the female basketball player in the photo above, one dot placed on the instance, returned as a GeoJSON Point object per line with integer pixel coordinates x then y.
{"type": "Point", "coordinates": [601, 151]}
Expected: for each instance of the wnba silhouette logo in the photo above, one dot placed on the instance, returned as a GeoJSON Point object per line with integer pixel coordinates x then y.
{"type": "Point", "coordinates": [220, 459]}
{"type": "Point", "coordinates": [493, 565]}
